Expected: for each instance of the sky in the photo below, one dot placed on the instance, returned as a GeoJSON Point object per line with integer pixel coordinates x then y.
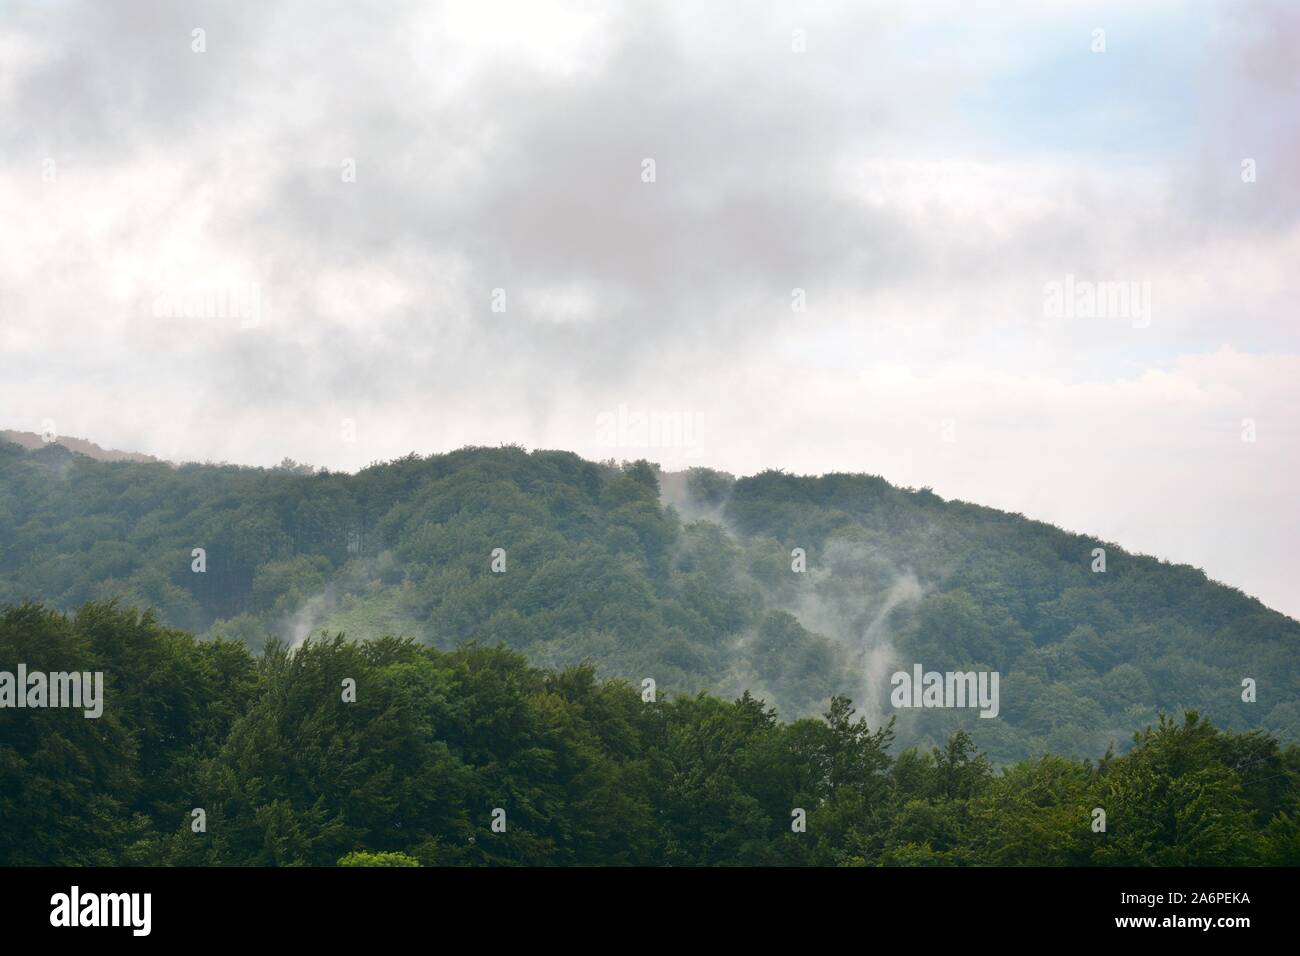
{"type": "Point", "coordinates": [808, 236]}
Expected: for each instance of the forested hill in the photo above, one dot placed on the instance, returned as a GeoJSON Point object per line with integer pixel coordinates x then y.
{"type": "Point", "coordinates": [436, 748]}
{"type": "Point", "coordinates": [683, 578]}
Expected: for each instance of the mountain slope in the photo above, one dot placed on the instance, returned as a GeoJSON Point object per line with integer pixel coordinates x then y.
{"type": "Point", "coordinates": [684, 578]}
{"type": "Point", "coordinates": [438, 746]}
{"type": "Point", "coordinates": [31, 440]}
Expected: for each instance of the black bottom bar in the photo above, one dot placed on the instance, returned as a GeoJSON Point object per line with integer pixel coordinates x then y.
{"type": "Point", "coordinates": [933, 906]}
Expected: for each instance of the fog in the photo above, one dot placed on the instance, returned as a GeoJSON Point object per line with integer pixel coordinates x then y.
{"type": "Point", "coordinates": [410, 227]}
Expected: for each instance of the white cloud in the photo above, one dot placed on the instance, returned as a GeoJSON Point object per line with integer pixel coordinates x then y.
{"type": "Point", "coordinates": [500, 146]}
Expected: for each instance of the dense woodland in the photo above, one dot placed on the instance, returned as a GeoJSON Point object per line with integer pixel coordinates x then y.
{"type": "Point", "coordinates": [685, 578]}
{"type": "Point", "coordinates": [585, 770]}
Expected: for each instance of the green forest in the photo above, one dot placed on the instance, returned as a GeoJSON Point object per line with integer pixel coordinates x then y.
{"type": "Point", "coordinates": [206, 754]}
{"type": "Point", "coordinates": [687, 579]}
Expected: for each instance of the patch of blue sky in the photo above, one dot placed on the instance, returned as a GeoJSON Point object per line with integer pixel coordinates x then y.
{"type": "Point", "coordinates": [1038, 88]}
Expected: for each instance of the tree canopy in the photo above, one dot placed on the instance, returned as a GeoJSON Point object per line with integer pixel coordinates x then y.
{"type": "Point", "coordinates": [685, 578]}
{"type": "Point", "coordinates": [473, 756]}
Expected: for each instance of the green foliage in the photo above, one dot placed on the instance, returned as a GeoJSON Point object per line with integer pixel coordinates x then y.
{"type": "Point", "coordinates": [684, 577]}
{"type": "Point", "coordinates": [362, 858]}
{"type": "Point", "coordinates": [290, 773]}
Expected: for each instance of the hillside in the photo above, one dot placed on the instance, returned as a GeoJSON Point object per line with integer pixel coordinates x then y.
{"type": "Point", "coordinates": [683, 578]}
{"type": "Point", "coordinates": [437, 745]}
{"type": "Point", "coordinates": [31, 440]}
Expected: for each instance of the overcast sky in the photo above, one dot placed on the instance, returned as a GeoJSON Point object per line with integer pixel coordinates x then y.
{"type": "Point", "coordinates": [282, 236]}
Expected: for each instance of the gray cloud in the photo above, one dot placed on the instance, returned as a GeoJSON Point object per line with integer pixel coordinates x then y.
{"type": "Point", "coordinates": [501, 147]}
